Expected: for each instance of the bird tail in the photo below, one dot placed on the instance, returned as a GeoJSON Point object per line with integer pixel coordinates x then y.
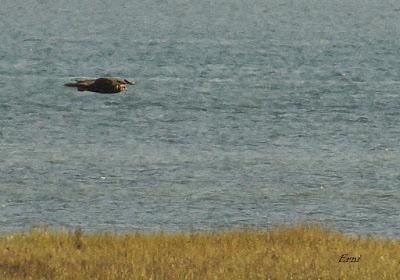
{"type": "Point", "coordinates": [80, 86]}
{"type": "Point", "coordinates": [71, 84]}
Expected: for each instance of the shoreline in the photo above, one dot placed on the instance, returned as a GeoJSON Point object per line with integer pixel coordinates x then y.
{"type": "Point", "coordinates": [285, 252]}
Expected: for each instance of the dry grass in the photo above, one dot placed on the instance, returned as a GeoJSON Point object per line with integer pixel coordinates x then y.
{"type": "Point", "coordinates": [298, 252]}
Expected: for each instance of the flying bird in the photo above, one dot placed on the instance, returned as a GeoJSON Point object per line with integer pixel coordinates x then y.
{"type": "Point", "coordinates": [108, 85]}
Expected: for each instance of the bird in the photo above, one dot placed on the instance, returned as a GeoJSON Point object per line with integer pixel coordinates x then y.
{"type": "Point", "coordinates": [106, 85]}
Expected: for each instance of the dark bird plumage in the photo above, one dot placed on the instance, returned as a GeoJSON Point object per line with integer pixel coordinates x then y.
{"type": "Point", "coordinates": [102, 85]}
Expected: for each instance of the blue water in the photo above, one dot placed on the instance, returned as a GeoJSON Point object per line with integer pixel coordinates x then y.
{"type": "Point", "coordinates": [245, 113]}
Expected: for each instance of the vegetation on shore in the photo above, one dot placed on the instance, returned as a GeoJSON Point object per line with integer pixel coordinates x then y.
{"type": "Point", "coordinates": [298, 252]}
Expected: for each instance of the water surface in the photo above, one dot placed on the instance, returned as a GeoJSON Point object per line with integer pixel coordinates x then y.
{"type": "Point", "coordinates": [244, 114]}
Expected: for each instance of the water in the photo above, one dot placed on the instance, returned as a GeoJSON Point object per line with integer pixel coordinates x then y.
{"type": "Point", "coordinates": [244, 114]}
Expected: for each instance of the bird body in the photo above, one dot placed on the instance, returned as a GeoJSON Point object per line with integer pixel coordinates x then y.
{"type": "Point", "coordinates": [102, 85]}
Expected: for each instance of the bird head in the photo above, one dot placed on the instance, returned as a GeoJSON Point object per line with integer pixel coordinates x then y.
{"type": "Point", "coordinates": [121, 87]}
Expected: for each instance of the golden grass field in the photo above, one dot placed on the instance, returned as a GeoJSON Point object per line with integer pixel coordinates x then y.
{"type": "Point", "coordinates": [297, 252]}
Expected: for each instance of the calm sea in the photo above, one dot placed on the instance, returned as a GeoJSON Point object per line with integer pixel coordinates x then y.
{"type": "Point", "coordinates": [245, 113]}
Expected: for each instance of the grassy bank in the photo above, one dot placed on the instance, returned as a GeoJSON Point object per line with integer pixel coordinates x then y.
{"type": "Point", "coordinates": [298, 252]}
